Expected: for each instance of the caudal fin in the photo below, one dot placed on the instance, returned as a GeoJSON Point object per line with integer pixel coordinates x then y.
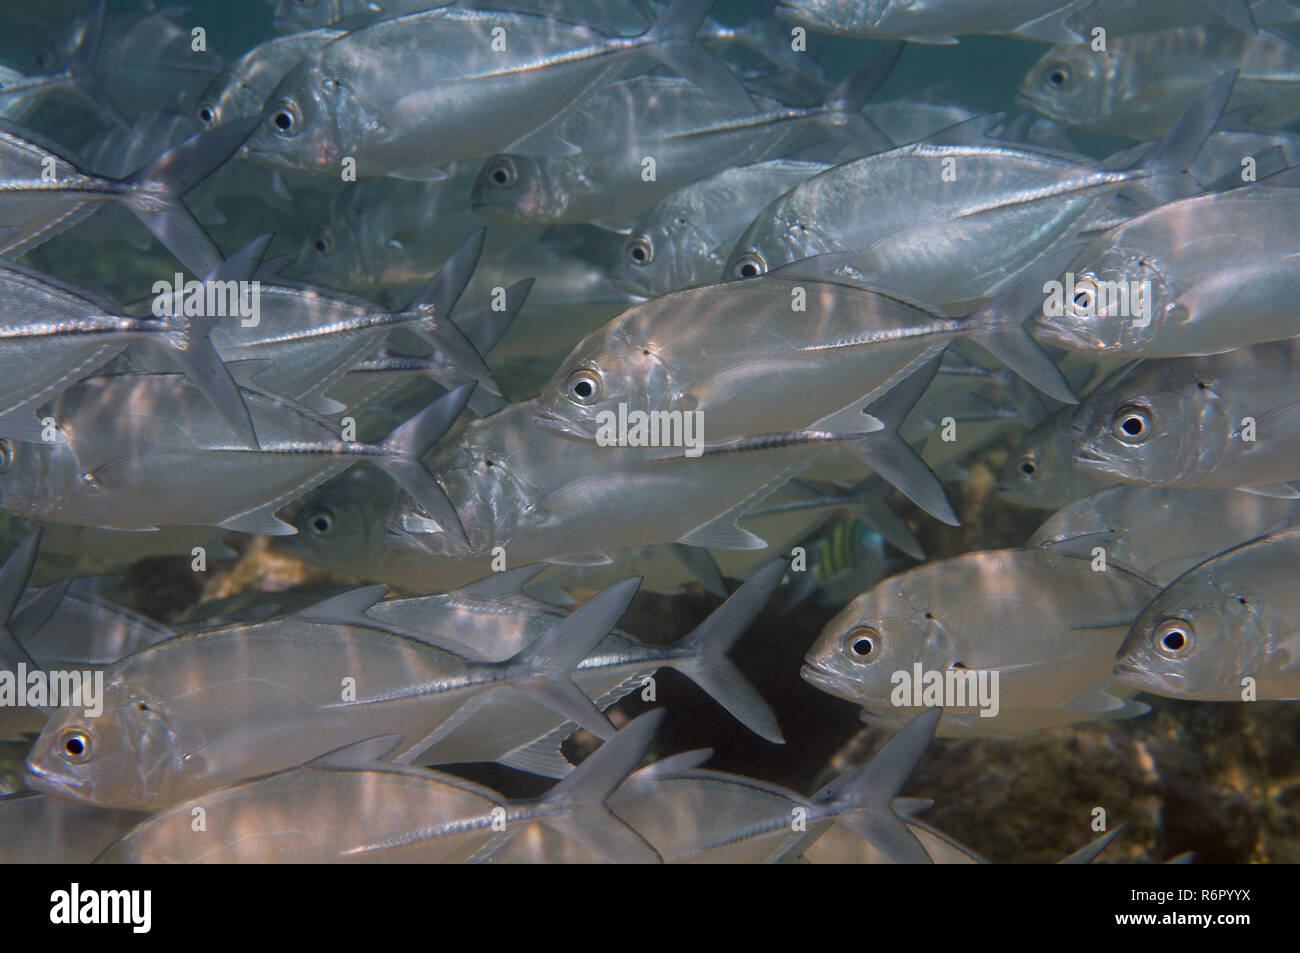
{"type": "Point", "coordinates": [403, 451]}
{"type": "Point", "coordinates": [576, 806]}
{"type": "Point", "coordinates": [704, 653]}
{"type": "Point", "coordinates": [999, 325]}
{"type": "Point", "coordinates": [154, 192]}
{"type": "Point", "coordinates": [863, 799]}
{"type": "Point", "coordinates": [671, 40]}
{"type": "Point", "coordinates": [190, 347]}
{"type": "Point", "coordinates": [887, 453]}
{"type": "Point", "coordinates": [430, 314]}
{"type": "Point", "coordinates": [545, 668]}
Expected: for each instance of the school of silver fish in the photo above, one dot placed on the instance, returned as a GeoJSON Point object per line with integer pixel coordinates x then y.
{"type": "Point", "coordinates": [500, 316]}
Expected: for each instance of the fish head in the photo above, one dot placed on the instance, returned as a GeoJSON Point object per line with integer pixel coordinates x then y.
{"type": "Point", "coordinates": [297, 16]}
{"type": "Point", "coordinates": [779, 236]}
{"type": "Point", "coordinates": [126, 757]}
{"type": "Point", "coordinates": [511, 188]}
{"type": "Point", "coordinates": [1039, 469]}
{"type": "Point", "coordinates": [1071, 84]}
{"type": "Point", "coordinates": [308, 123]}
{"type": "Point", "coordinates": [609, 369]}
{"type": "Point", "coordinates": [664, 253]}
{"type": "Point", "coordinates": [1113, 298]}
{"type": "Point", "coordinates": [1193, 641]}
{"type": "Point", "coordinates": [877, 635]}
{"type": "Point", "coordinates": [1152, 427]}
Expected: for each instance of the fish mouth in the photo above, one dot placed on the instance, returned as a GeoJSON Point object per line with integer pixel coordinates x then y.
{"type": "Point", "coordinates": [1033, 102]}
{"type": "Point", "coordinates": [1084, 459]}
{"type": "Point", "coordinates": [553, 422]}
{"type": "Point", "coordinates": [828, 681]}
{"type": "Point", "coordinates": [39, 779]}
{"type": "Point", "coordinates": [1131, 673]}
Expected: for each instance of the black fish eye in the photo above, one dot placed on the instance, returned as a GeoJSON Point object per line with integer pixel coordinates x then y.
{"type": "Point", "coordinates": [502, 172]}
{"type": "Point", "coordinates": [750, 265]}
{"type": "Point", "coordinates": [1028, 467]}
{"type": "Point", "coordinates": [862, 642]}
{"type": "Point", "coordinates": [1132, 424]}
{"type": "Point", "coordinates": [1173, 637]}
{"type": "Point", "coordinates": [583, 386]}
{"type": "Point", "coordinates": [323, 244]}
{"type": "Point", "coordinates": [640, 250]}
{"type": "Point", "coordinates": [285, 119]}
{"type": "Point", "coordinates": [1058, 76]}
{"type": "Point", "coordinates": [321, 523]}
{"type": "Point", "coordinates": [207, 114]}
{"type": "Point", "coordinates": [74, 745]}
{"type": "Point", "coordinates": [6, 456]}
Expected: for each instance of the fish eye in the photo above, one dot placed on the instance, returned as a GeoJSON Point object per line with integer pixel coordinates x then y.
{"type": "Point", "coordinates": [1058, 76]}
{"type": "Point", "coordinates": [74, 745]}
{"type": "Point", "coordinates": [502, 173]}
{"type": "Point", "coordinates": [1028, 465]}
{"type": "Point", "coordinates": [583, 386]}
{"type": "Point", "coordinates": [1132, 424]}
{"type": "Point", "coordinates": [321, 522]}
{"type": "Point", "coordinates": [640, 251]}
{"type": "Point", "coordinates": [862, 643]}
{"type": "Point", "coordinates": [1084, 302]}
{"type": "Point", "coordinates": [6, 456]}
{"type": "Point", "coordinates": [750, 265]}
{"type": "Point", "coordinates": [285, 118]}
{"type": "Point", "coordinates": [1173, 637]}
{"type": "Point", "coordinates": [207, 113]}
{"type": "Point", "coordinates": [323, 244]}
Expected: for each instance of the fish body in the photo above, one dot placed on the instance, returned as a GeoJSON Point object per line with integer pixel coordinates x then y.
{"type": "Point", "coordinates": [1162, 533]}
{"type": "Point", "coordinates": [1141, 83]}
{"type": "Point", "coordinates": [1199, 275]}
{"type": "Point", "coordinates": [148, 450]}
{"type": "Point", "coordinates": [1223, 631]}
{"type": "Point", "coordinates": [213, 707]}
{"type": "Point", "coordinates": [905, 226]}
{"type": "Point", "coordinates": [1047, 623]}
{"type": "Point", "coordinates": [406, 96]}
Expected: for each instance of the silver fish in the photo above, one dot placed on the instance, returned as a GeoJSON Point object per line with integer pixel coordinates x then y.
{"type": "Point", "coordinates": [287, 690]}
{"type": "Point", "coordinates": [1141, 83]}
{"type": "Point", "coordinates": [1223, 631]}
{"type": "Point", "coordinates": [406, 96]}
{"type": "Point", "coordinates": [682, 129]}
{"type": "Point", "coordinates": [20, 94]}
{"type": "Point", "coordinates": [897, 221]}
{"type": "Point", "coordinates": [137, 451]}
{"type": "Point", "coordinates": [825, 347]}
{"type": "Point", "coordinates": [348, 807]}
{"type": "Point", "coordinates": [1186, 278]}
{"type": "Point", "coordinates": [1202, 423]}
{"type": "Point", "coordinates": [1048, 624]}
{"type": "Point", "coordinates": [1163, 533]}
